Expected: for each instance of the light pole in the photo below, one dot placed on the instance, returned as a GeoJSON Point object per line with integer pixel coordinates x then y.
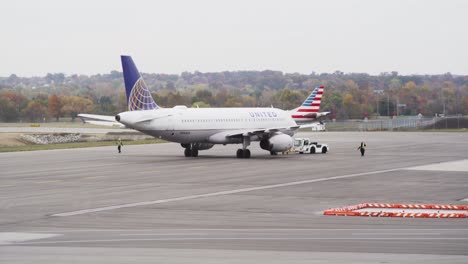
{"type": "Point", "coordinates": [443, 102]}
{"type": "Point", "coordinates": [397, 106]}
{"type": "Point", "coordinates": [378, 101]}
{"type": "Point", "coordinates": [378, 93]}
{"type": "Point", "coordinates": [388, 105]}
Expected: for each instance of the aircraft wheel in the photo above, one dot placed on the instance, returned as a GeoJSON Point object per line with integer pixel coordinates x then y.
{"type": "Point", "coordinates": [194, 153]}
{"type": "Point", "coordinates": [247, 154]}
{"type": "Point", "coordinates": [240, 153]}
{"type": "Point", "coordinates": [273, 153]}
{"type": "Point", "coordinates": [188, 152]}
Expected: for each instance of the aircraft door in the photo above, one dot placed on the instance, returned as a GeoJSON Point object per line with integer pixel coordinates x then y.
{"type": "Point", "coordinates": [173, 120]}
{"type": "Point", "coordinates": [170, 123]}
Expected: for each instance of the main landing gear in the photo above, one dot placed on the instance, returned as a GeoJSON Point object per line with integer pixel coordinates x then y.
{"type": "Point", "coordinates": [244, 153]}
{"type": "Point", "coordinates": [190, 151]}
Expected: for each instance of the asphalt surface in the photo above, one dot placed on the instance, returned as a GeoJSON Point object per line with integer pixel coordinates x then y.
{"type": "Point", "coordinates": [150, 204]}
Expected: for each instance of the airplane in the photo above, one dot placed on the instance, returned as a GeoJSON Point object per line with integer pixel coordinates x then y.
{"type": "Point", "coordinates": [199, 129]}
{"type": "Point", "coordinates": [309, 110]}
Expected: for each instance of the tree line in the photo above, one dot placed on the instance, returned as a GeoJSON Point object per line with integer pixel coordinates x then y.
{"type": "Point", "coordinates": [347, 96]}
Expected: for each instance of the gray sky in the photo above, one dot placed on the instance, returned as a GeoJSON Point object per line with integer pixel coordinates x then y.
{"type": "Point", "coordinates": [372, 36]}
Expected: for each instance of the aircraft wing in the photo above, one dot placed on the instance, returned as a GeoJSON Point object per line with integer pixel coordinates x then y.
{"type": "Point", "coordinates": [251, 132]}
{"type": "Point", "coordinates": [102, 120]}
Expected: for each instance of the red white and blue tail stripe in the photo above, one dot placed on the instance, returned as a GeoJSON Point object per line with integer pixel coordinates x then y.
{"type": "Point", "coordinates": [309, 110]}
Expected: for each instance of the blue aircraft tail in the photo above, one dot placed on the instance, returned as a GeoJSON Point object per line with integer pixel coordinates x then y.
{"type": "Point", "coordinates": [138, 95]}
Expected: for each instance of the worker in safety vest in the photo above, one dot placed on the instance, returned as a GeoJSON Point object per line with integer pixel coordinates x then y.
{"type": "Point", "coordinates": [119, 145]}
{"type": "Point", "coordinates": [362, 148]}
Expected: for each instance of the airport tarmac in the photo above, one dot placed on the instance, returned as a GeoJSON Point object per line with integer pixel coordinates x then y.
{"type": "Point", "coordinates": [151, 204]}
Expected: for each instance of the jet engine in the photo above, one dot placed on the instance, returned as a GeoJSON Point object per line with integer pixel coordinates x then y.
{"type": "Point", "coordinates": [199, 146]}
{"type": "Point", "coordinates": [277, 143]}
{"type": "Point", "coordinates": [203, 146]}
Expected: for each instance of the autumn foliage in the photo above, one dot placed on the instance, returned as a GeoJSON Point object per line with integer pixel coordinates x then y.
{"type": "Point", "coordinates": [347, 96]}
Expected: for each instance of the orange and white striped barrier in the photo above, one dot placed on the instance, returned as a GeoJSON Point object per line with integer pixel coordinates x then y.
{"type": "Point", "coordinates": [422, 210]}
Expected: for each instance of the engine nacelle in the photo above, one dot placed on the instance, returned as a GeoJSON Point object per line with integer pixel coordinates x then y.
{"type": "Point", "coordinates": [202, 146]}
{"type": "Point", "coordinates": [277, 143]}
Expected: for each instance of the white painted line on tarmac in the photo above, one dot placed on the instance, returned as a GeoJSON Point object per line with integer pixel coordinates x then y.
{"type": "Point", "coordinates": [459, 165]}
{"type": "Point", "coordinates": [47, 182]}
{"type": "Point", "coordinates": [95, 177]}
{"type": "Point", "coordinates": [15, 237]}
{"type": "Point", "coordinates": [395, 234]}
{"type": "Point", "coordinates": [190, 197]}
{"type": "Point", "coordinates": [237, 238]}
{"type": "Point", "coordinates": [242, 230]}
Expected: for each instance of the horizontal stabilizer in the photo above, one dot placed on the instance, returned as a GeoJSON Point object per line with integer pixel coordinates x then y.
{"type": "Point", "coordinates": [97, 117]}
{"type": "Point", "coordinates": [101, 120]}
{"type": "Point", "coordinates": [309, 125]}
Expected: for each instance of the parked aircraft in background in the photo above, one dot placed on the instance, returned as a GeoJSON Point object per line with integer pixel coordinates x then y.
{"type": "Point", "coordinates": [200, 128]}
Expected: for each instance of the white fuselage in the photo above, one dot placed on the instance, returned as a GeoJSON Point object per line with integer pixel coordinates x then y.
{"type": "Point", "coordinates": [205, 125]}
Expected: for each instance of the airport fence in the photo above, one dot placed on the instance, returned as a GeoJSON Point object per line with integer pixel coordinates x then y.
{"type": "Point", "coordinates": [400, 123]}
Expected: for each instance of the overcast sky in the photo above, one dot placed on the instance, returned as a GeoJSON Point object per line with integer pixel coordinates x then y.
{"type": "Point", "coordinates": [372, 36]}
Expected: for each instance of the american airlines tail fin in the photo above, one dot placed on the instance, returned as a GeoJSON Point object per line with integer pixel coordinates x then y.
{"type": "Point", "coordinates": [138, 95]}
{"type": "Point", "coordinates": [309, 110]}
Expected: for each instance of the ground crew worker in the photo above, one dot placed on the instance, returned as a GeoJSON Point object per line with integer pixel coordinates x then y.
{"type": "Point", "coordinates": [362, 148]}
{"type": "Point", "coordinates": [119, 145]}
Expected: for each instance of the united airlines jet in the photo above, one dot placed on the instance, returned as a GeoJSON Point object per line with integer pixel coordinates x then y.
{"type": "Point", "coordinates": [200, 128]}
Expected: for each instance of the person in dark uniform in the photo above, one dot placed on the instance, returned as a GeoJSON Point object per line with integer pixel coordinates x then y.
{"type": "Point", "coordinates": [119, 145]}
{"type": "Point", "coordinates": [362, 148]}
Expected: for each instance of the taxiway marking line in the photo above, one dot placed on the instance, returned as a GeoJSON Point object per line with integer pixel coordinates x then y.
{"type": "Point", "coordinates": [205, 195]}
{"type": "Point", "coordinates": [47, 182]}
{"type": "Point", "coordinates": [459, 166]}
{"type": "Point", "coordinates": [94, 177]}
{"type": "Point", "coordinates": [395, 234]}
{"type": "Point", "coordinates": [289, 230]}
{"type": "Point", "coordinates": [237, 238]}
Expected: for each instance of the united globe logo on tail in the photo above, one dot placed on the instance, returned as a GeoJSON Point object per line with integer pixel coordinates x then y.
{"type": "Point", "coordinates": [138, 95]}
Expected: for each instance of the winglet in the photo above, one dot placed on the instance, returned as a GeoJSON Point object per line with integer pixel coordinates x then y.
{"type": "Point", "coordinates": [138, 95]}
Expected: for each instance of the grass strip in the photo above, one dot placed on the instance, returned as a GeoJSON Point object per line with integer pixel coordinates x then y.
{"type": "Point", "coordinates": [58, 125]}
{"type": "Point", "coordinates": [34, 147]}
